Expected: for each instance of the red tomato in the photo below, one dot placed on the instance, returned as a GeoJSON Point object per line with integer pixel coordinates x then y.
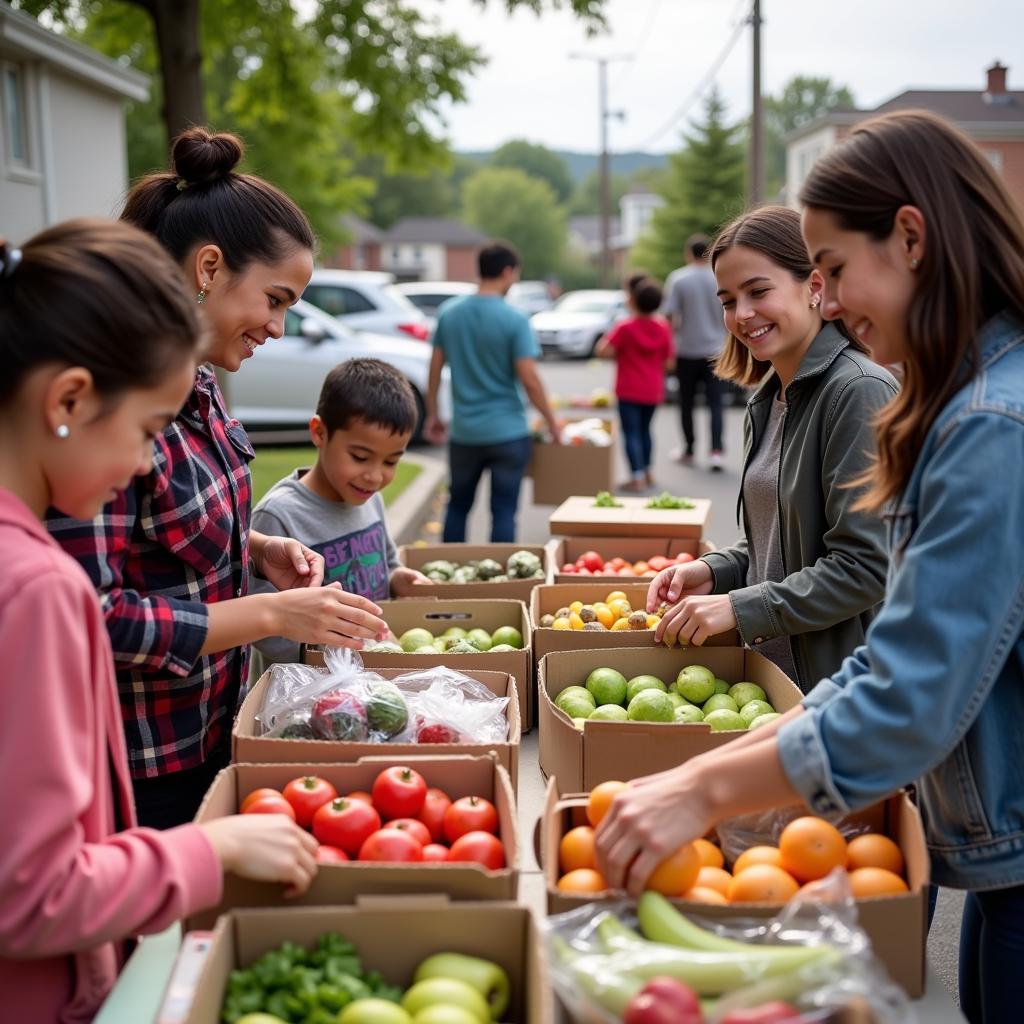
{"type": "Point", "coordinates": [659, 562]}
{"type": "Point", "coordinates": [684, 556]}
{"type": "Point", "coordinates": [767, 1013]}
{"type": "Point", "coordinates": [591, 560]}
{"type": "Point", "coordinates": [435, 853]}
{"type": "Point", "coordinates": [412, 827]}
{"type": "Point", "coordinates": [569, 567]}
{"type": "Point", "coordinates": [626, 570]}
{"type": "Point", "coordinates": [399, 793]}
{"type": "Point", "coordinates": [331, 854]}
{"type": "Point", "coordinates": [616, 563]}
{"type": "Point", "coordinates": [360, 794]}
{"type": "Point", "coordinates": [275, 804]}
{"type": "Point", "coordinates": [432, 814]}
{"type": "Point", "coordinates": [391, 845]}
{"type": "Point", "coordinates": [257, 794]}
{"type": "Point", "coordinates": [481, 847]}
{"type": "Point", "coordinates": [584, 572]}
{"type": "Point", "coordinates": [345, 823]}
{"type": "Point", "coordinates": [307, 795]}
{"type": "Point", "coordinates": [469, 814]}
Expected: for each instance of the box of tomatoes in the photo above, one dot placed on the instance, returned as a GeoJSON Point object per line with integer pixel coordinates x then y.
{"type": "Point", "coordinates": [443, 824]}
{"type": "Point", "coordinates": [618, 559]}
{"type": "Point", "coordinates": [749, 867]}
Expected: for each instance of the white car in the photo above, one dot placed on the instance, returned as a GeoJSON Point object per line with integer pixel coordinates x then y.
{"type": "Point", "coordinates": [367, 300]}
{"type": "Point", "coordinates": [578, 320]}
{"type": "Point", "coordinates": [428, 296]}
{"type": "Point", "coordinates": [279, 386]}
{"type": "Point", "coordinates": [529, 297]}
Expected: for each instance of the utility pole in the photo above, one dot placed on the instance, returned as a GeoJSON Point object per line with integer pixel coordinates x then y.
{"type": "Point", "coordinates": [604, 168]}
{"type": "Point", "coordinates": [756, 186]}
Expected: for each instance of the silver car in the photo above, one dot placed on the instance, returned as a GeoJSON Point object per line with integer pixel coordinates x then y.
{"type": "Point", "coordinates": [279, 386]}
{"type": "Point", "coordinates": [578, 320]}
{"type": "Point", "coordinates": [367, 300]}
{"type": "Point", "coordinates": [429, 296]}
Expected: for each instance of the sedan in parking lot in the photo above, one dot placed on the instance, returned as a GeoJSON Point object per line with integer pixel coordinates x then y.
{"type": "Point", "coordinates": [367, 300]}
{"type": "Point", "coordinates": [578, 320]}
{"type": "Point", "coordinates": [429, 296]}
{"type": "Point", "coordinates": [279, 386]}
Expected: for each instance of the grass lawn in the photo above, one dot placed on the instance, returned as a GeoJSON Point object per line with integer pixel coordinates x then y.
{"type": "Point", "coordinates": [273, 464]}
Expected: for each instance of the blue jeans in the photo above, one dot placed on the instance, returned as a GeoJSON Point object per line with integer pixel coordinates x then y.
{"type": "Point", "coordinates": [507, 462]}
{"type": "Point", "coordinates": [992, 956]}
{"type": "Point", "coordinates": [636, 433]}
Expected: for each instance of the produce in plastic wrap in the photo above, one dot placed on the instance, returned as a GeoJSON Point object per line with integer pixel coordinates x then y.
{"type": "Point", "coordinates": [339, 716]}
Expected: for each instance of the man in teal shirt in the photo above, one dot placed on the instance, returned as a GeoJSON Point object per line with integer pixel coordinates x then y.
{"type": "Point", "coordinates": [492, 352]}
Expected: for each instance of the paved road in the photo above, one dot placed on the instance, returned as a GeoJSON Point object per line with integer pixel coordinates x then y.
{"type": "Point", "coordinates": [581, 378]}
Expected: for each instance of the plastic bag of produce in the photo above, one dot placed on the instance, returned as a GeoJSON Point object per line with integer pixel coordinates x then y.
{"type": "Point", "coordinates": [812, 957]}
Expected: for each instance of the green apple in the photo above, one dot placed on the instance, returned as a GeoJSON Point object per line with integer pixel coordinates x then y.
{"type": "Point", "coordinates": [677, 700]}
{"type": "Point", "coordinates": [688, 713]}
{"type": "Point", "coordinates": [638, 683]}
{"type": "Point", "coordinates": [651, 706]}
{"type": "Point", "coordinates": [261, 1018]}
{"type": "Point", "coordinates": [607, 686]}
{"type": "Point", "coordinates": [696, 683]}
{"type": "Point", "coordinates": [503, 649]}
{"type": "Point", "coordinates": [480, 639]}
{"type": "Point", "coordinates": [609, 713]}
{"type": "Point", "coordinates": [764, 720]}
{"type": "Point", "coordinates": [753, 708]}
{"type": "Point", "coordinates": [441, 644]}
{"type": "Point", "coordinates": [427, 649]}
{"type": "Point", "coordinates": [744, 693]}
{"type": "Point", "coordinates": [374, 1011]}
{"type": "Point", "coordinates": [724, 720]}
{"type": "Point", "coordinates": [442, 1013]}
{"type": "Point", "coordinates": [721, 686]}
{"type": "Point", "coordinates": [456, 631]}
{"type": "Point", "coordinates": [576, 702]}
{"type": "Point", "coordinates": [717, 701]}
{"type": "Point", "coordinates": [412, 639]}
{"type": "Point", "coordinates": [507, 635]}
{"type": "Point", "coordinates": [446, 991]}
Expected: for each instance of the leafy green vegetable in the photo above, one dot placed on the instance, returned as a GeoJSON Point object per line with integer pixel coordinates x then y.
{"type": "Point", "coordinates": [666, 500]}
{"type": "Point", "coordinates": [605, 499]}
{"type": "Point", "coordinates": [524, 565]}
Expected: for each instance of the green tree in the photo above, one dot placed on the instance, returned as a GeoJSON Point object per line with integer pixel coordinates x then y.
{"type": "Point", "coordinates": [586, 197]}
{"type": "Point", "coordinates": [507, 203]}
{"type": "Point", "coordinates": [802, 99]}
{"type": "Point", "coordinates": [537, 161]}
{"type": "Point", "coordinates": [428, 192]}
{"type": "Point", "coordinates": [704, 188]}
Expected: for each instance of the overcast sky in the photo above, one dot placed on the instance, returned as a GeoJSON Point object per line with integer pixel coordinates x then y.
{"type": "Point", "coordinates": [531, 89]}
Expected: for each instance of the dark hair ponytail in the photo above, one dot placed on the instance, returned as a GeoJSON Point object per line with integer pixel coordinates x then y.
{"type": "Point", "coordinates": [203, 200]}
{"type": "Point", "coordinates": [97, 294]}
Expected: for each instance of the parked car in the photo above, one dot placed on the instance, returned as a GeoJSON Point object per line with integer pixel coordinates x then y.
{"type": "Point", "coordinates": [577, 321]}
{"type": "Point", "coordinates": [427, 296]}
{"type": "Point", "coordinates": [367, 301]}
{"type": "Point", "coordinates": [529, 297]}
{"type": "Point", "coordinates": [280, 384]}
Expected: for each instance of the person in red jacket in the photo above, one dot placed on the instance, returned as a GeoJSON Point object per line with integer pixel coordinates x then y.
{"type": "Point", "coordinates": [642, 349]}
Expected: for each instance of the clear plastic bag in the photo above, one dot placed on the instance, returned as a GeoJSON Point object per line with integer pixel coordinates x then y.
{"type": "Point", "coordinates": [448, 707]}
{"type": "Point", "coordinates": [812, 955]}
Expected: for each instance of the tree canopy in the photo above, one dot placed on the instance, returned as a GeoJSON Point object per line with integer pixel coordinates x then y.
{"type": "Point", "coordinates": [537, 161]}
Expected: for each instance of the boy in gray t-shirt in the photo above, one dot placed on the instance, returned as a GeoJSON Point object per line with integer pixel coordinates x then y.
{"type": "Point", "coordinates": [364, 420]}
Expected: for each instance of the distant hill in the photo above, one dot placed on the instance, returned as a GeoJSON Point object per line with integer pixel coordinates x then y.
{"type": "Point", "coordinates": [581, 164]}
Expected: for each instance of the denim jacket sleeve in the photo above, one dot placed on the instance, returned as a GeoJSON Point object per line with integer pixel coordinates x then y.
{"type": "Point", "coordinates": [955, 607]}
{"type": "Point", "coordinates": [850, 577]}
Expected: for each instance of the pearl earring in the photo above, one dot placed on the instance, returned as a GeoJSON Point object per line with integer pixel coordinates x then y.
{"type": "Point", "coordinates": [63, 431]}
{"type": "Point", "coordinates": [814, 302]}
{"type": "Point", "coordinates": [201, 297]}
{"type": "Point", "coordinates": [915, 263]}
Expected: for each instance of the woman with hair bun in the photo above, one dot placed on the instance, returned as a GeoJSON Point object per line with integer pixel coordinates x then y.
{"type": "Point", "coordinates": [172, 554]}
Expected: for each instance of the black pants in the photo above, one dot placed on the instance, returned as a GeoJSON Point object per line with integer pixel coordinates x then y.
{"type": "Point", "coordinates": [173, 799]}
{"type": "Point", "coordinates": [690, 372]}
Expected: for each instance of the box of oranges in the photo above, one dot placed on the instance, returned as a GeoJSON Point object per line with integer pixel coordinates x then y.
{"type": "Point", "coordinates": [882, 848]}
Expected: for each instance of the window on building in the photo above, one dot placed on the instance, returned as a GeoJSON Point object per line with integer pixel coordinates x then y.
{"type": "Point", "coordinates": [15, 115]}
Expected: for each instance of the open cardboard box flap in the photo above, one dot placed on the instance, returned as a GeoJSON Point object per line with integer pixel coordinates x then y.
{"type": "Point", "coordinates": [250, 748]}
{"type": "Point", "coordinates": [896, 925]}
{"type": "Point", "coordinates": [392, 935]}
{"type": "Point", "coordinates": [336, 884]}
{"type": "Point", "coordinates": [416, 557]}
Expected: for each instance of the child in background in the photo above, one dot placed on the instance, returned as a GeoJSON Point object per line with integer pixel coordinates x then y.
{"type": "Point", "coordinates": [642, 349]}
{"type": "Point", "coordinates": [364, 421]}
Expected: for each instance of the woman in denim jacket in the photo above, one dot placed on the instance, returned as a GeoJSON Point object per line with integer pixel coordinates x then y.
{"type": "Point", "coordinates": [922, 252]}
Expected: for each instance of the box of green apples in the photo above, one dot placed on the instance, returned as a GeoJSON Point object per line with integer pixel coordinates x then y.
{"type": "Point", "coordinates": [658, 707]}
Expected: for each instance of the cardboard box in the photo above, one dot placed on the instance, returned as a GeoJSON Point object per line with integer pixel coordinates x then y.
{"type": "Point", "coordinates": [248, 747]}
{"type": "Point", "coordinates": [547, 600]}
{"type": "Point", "coordinates": [391, 935]}
{"type": "Point", "coordinates": [341, 883]}
{"type": "Point", "coordinates": [560, 550]}
{"type": "Point", "coordinates": [897, 925]}
{"type": "Point", "coordinates": [517, 590]}
{"type": "Point", "coordinates": [581, 758]}
{"type": "Point", "coordinates": [561, 470]}
{"type": "Point", "coordinates": [436, 616]}
{"type": "Point", "coordinates": [577, 516]}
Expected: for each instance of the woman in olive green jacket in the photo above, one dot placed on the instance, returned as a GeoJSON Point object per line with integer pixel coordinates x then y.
{"type": "Point", "coordinates": [804, 580]}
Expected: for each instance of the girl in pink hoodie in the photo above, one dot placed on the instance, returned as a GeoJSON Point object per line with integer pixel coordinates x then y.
{"type": "Point", "coordinates": [98, 340]}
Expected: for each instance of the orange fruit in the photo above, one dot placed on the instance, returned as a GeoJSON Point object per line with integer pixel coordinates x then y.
{"type": "Point", "coordinates": [582, 880]}
{"type": "Point", "coordinates": [710, 855]}
{"type": "Point", "coordinates": [604, 615]}
{"type": "Point", "coordinates": [866, 882]}
{"type": "Point", "coordinates": [872, 850]}
{"type": "Point", "coordinates": [616, 595]}
{"type": "Point", "coordinates": [576, 850]}
{"type": "Point", "coordinates": [811, 848]}
{"type": "Point", "coordinates": [762, 883]}
{"type": "Point", "coordinates": [601, 797]}
{"type": "Point", "coordinates": [714, 878]}
{"type": "Point", "coordinates": [699, 894]}
{"type": "Point", "coordinates": [676, 873]}
{"type": "Point", "coordinates": [757, 855]}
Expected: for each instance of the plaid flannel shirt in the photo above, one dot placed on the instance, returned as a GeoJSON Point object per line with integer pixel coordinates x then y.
{"type": "Point", "coordinates": [174, 542]}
